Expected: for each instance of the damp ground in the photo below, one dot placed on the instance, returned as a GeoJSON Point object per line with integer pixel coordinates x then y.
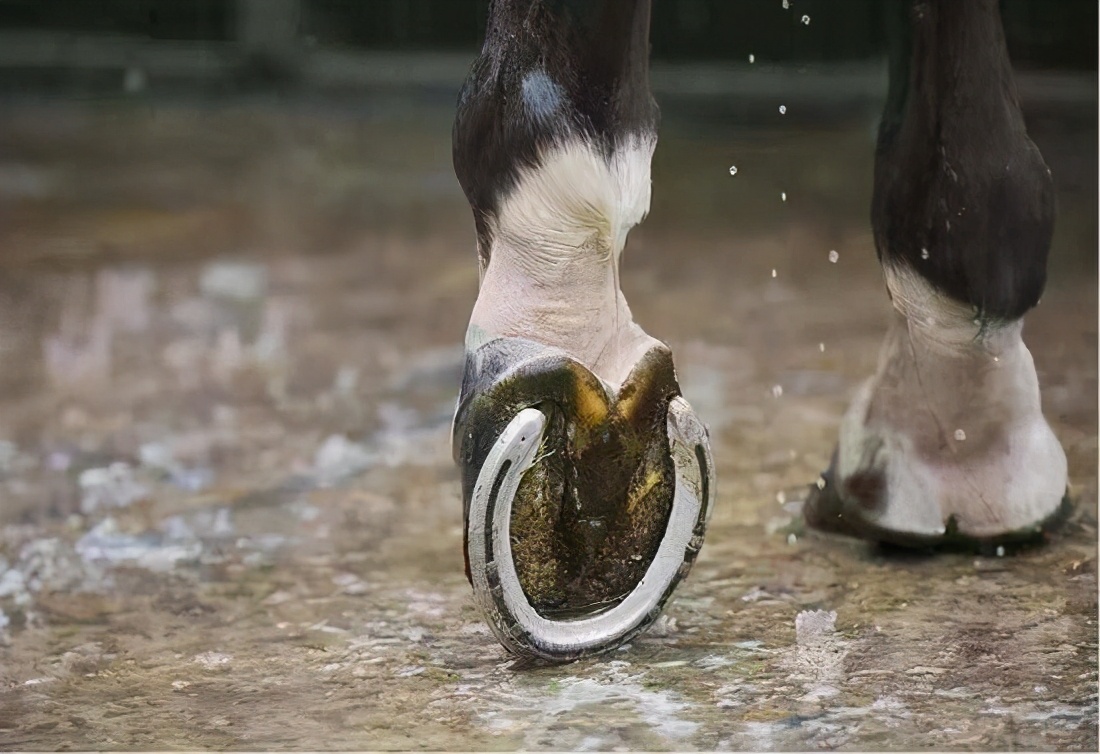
{"type": "Point", "coordinates": [229, 351]}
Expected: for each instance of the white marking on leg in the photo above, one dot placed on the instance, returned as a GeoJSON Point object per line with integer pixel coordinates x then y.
{"type": "Point", "coordinates": [553, 272]}
{"type": "Point", "coordinates": [953, 421]}
{"type": "Point", "coordinates": [541, 95]}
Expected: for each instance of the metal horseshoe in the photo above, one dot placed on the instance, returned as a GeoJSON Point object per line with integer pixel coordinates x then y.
{"type": "Point", "coordinates": [497, 590]}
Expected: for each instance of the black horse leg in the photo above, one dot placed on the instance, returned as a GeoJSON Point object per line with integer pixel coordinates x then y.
{"type": "Point", "coordinates": [552, 145]}
{"type": "Point", "coordinates": [947, 440]}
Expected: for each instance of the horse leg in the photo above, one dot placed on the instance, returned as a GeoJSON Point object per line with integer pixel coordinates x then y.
{"type": "Point", "coordinates": [575, 448]}
{"type": "Point", "coordinates": [947, 441]}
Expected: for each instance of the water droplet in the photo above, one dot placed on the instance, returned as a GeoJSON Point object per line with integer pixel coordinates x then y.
{"type": "Point", "coordinates": [782, 109]}
{"type": "Point", "coordinates": [833, 256]}
{"type": "Point", "coordinates": [960, 435]}
{"type": "Point", "coordinates": [996, 358]}
{"type": "Point", "coordinates": [1000, 551]}
{"type": "Point", "coordinates": [820, 482]}
{"type": "Point", "coordinates": [773, 272]}
{"type": "Point", "coordinates": [924, 253]}
{"type": "Point", "coordinates": [783, 195]}
{"type": "Point", "coordinates": [777, 391]}
{"type": "Point", "coordinates": [781, 497]}
{"type": "Point", "coordinates": [752, 58]}
{"type": "Point", "coordinates": [821, 347]}
{"type": "Point", "coordinates": [733, 170]}
{"type": "Point", "coordinates": [806, 20]}
{"type": "Point", "coordinates": [791, 538]}
{"type": "Point", "coordinates": [786, 4]}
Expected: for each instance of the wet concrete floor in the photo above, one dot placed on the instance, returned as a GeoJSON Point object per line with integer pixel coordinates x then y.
{"type": "Point", "coordinates": [229, 351]}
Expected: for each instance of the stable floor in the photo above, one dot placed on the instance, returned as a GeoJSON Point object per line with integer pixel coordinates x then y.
{"type": "Point", "coordinates": [230, 344]}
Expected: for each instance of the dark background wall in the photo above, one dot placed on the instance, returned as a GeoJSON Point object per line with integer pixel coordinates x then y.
{"type": "Point", "coordinates": [1042, 33]}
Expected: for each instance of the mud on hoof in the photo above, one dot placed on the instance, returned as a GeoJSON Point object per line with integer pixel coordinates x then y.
{"type": "Point", "coordinates": [585, 505]}
{"type": "Point", "coordinates": [590, 513]}
{"type": "Point", "coordinates": [946, 444]}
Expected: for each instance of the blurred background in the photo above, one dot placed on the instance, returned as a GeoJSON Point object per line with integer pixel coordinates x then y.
{"type": "Point", "coordinates": [235, 273]}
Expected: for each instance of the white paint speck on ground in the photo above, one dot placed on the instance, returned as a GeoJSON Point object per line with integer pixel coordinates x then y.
{"type": "Point", "coordinates": [811, 626]}
{"type": "Point", "coordinates": [660, 710]}
{"type": "Point", "coordinates": [713, 662]}
{"type": "Point", "coordinates": [112, 486]}
{"type": "Point", "coordinates": [569, 709]}
{"type": "Point", "coordinates": [819, 654]}
{"type": "Point", "coordinates": [339, 457]}
{"type": "Point", "coordinates": [235, 280]}
{"type": "Point", "coordinates": [106, 543]}
{"type": "Point", "coordinates": [212, 660]}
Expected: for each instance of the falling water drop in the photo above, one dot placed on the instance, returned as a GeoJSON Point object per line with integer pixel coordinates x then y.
{"type": "Point", "coordinates": [777, 391]}
{"type": "Point", "coordinates": [733, 170]}
{"type": "Point", "coordinates": [924, 253]}
{"type": "Point", "coordinates": [786, 4]}
{"type": "Point", "coordinates": [806, 20]}
{"type": "Point", "coordinates": [833, 256]}
{"type": "Point", "coordinates": [773, 272]}
{"type": "Point", "coordinates": [821, 347]}
{"type": "Point", "coordinates": [783, 195]}
{"type": "Point", "coordinates": [782, 109]}
{"type": "Point", "coordinates": [752, 58]}
{"type": "Point", "coordinates": [960, 435]}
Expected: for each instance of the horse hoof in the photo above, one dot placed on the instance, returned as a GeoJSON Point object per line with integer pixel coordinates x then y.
{"type": "Point", "coordinates": [498, 590]}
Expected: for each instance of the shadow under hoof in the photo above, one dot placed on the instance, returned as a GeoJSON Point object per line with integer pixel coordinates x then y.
{"type": "Point", "coordinates": [828, 510]}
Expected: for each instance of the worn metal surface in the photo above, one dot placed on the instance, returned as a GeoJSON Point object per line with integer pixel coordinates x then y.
{"type": "Point", "coordinates": [258, 309]}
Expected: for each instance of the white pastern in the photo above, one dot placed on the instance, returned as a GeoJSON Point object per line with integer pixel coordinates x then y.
{"type": "Point", "coordinates": [553, 271]}
{"type": "Point", "coordinates": [574, 200]}
{"type": "Point", "coordinates": [952, 419]}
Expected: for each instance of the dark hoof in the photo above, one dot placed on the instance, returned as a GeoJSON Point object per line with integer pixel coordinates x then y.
{"type": "Point", "coordinates": [571, 492]}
